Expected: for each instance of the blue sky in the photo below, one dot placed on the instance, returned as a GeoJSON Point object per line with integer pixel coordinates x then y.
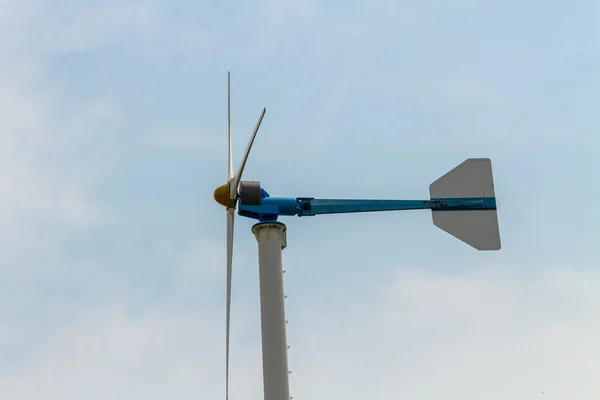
{"type": "Point", "coordinates": [112, 248]}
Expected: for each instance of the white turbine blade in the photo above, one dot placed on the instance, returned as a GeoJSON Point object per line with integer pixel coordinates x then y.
{"type": "Point", "coordinates": [230, 165]}
{"type": "Point", "coordinates": [230, 219]}
{"type": "Point", "coordinates": [238, 176]}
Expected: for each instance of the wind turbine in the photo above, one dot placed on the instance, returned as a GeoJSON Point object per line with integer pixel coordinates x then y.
{"type": "Point", "coordinates": [463, 203]}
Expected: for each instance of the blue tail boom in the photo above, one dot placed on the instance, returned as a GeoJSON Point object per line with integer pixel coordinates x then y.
{"type": "Point", "coordinates": [272, 207]}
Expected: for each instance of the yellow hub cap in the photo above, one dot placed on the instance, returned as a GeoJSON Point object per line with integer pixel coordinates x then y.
{"type": "Point", "coordinates": [222, 196]}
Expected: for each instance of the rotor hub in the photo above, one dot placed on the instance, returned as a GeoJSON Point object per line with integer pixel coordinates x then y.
{"type": "Point", "coordinates": [221, 196]}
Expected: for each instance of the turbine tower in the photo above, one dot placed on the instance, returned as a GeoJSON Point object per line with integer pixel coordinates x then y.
{"type": "Point", "coordinates": [462, 202]}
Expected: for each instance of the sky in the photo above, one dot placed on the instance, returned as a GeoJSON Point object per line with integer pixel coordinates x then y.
{"type": "Point", "coordinates": [113, 137]}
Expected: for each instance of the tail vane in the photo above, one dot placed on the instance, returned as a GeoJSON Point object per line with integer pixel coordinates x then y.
{"type": "Point", "coordinates": [470, 179]}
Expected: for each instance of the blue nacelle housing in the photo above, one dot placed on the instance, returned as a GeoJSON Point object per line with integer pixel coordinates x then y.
{"type": "Point", "coordinates": [270, 208]}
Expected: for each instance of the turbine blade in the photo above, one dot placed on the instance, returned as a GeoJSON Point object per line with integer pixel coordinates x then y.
{"type": "Point", "coordinates": [230, 219]}
{"type": "Point", "coordinates": [230, 165]}
{"type": "Point", "coordinates": [238, 176]}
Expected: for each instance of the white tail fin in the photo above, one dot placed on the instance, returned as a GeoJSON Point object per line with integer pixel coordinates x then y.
{"type": "Point", "coordinates": [471, 179]}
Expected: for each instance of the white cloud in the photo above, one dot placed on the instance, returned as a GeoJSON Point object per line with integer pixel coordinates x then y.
{"type": "Point", "coordinates": [51, 145]}
{"type": "Point", "coordinates": [32, 186]}
{"type": "Point", "coordinates": [422, 336]}
{"type": "Point", "coordinates": [108, 353]}
{"type": "Point", "coordinates": [486, 335]}
{"type": "Point", "coordinates": [40, 189]}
